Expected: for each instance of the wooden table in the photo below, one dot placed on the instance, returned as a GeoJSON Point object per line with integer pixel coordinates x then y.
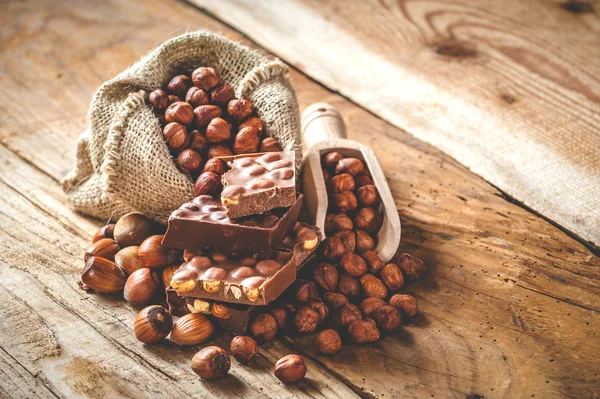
{"type": "Point", "coordinates": [510, 308]}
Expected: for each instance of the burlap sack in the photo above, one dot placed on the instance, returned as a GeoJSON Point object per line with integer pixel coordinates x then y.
{"type": "Point", "coordinates": [122, 163]}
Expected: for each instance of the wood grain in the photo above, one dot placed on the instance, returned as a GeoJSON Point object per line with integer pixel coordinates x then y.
{"type": "Point", "coordinates": [510, 308]}
{"type": "Point", "coordinates": [510, 89]}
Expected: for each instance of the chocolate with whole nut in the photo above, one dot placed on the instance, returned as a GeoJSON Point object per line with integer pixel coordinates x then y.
{"type": "Point", "coordinates": [216, 276]}
{"type": "Point", "coordinates": [203, 223]}
{"type": "Point", "coordinates": [258, 183]}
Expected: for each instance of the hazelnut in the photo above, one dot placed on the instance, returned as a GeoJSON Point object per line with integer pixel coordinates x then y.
{"type": "Point", "coordinates": [326, 276]}
{"type": "Point", "coordinates": [306, 320]}
{"type": "Point", "coordinates": [221, 95]}
{"type": "Point", "coordinates": [211, 363]}
{"type": "Point", "coordinates": [290, 369]}
{"type": "Point", "coordinates": [214, 165]}
{"type": "Point", "coordinates": [412, 267]}
{"type": "Point", "coordinates": [340, 183]}
{"type": "Point", "coordinates": [392, 276]}
{"type": "Point", "coordinates": [239, 109]}
{"type": "Point", "coordinates": [407, 304]}
{"type": "Point", "coordinates": [220, 311]}
{"type": "Point", "coordinates": [105, 248]}
{"type": "Point", "coordinates": [270, 144]}
{"type": "Point", "coordinates": [128, 260]}
{"type": "Point", "coordinates": [332, 249]}
{"type": "Point", "coordinates": [167, 274]}
{"type": "Point", "coordinates": [349, 165]}
{"type": "Point", "coordinates": [367, 195]}
{"type": "Point", "coordinates": [132, 229]}
{"type": "Point", "coordinates": [152, 324]}
{"type": "Point", "coordinates": [370, 305]}
{"type": "Point", "coordinates": [243, 349]}
{"type": "Point", "coordinates": [256, 123]}
{"type": "Point", "coordinates": [280, 316]}
{"type": "Point", "coordinates": [335, 222]}
{"type": "Point", "coordinates": [354, 265]}
{"type": "Point", "coordinates": [198, 142]}
{"type": "Point", "coordinates": [373, 287]}
{"type": "Point", "coordinates": [205, 78]}
{"type": "Point", "coordinates": [362, 180]}
{"type": "Point", "coordinates": [331, 159]}
{"type": "Point", "coordinates": [208, 183]}
{"type": "Point", "coordinates": [104, 232]}
{"type": "Point", "coordinates": [318, 306]}
{"type": "Point", "coordinates": [368, 219]}
{"type": "Point", "coordinates": [206, 113]}
{"type": "Point", "coordinates": [347, 315]}
{"type": "Point", "coordinates": [219, 150]}
{"type": "Point", "coordinates": [192, 329]}
{"type": "Point", "coordinates": [364, 241]}
{"type": "Point", "coordinates": [348, 238]}
{"type": "Point", "coordinates": [246, 141]}
{"type": "Point", "coordinates": [159, 100]}
{"type": "Point", "coordinates": [218, 130]}
{"type": "Point", "coordinates": [103, 275]}
{"type": "Point", "coordinates": [334, 300]}
{"type": "Point", "coordinates": [153, 254]}
{"type": "Point", "coordinates": [374, 262]}
{"type": "Point", "coordinates": [344, 202]}
{"type": "Point", "coordinates": [387, 318]}
{"type": "Point", "coordinates": [180, 112]}
{"type": "Point", "coordinates": [303, 290]}
{"type": "Point", "coordinates": [348, 286]}
{"type": "Point", "coordinates": [189, 161]}
{"type": "Point", "coordinates": [363, 331]}
{"type": "Point", "coordinates": [179, 85]}
{"type": "Point", "coordinates": [264, 327]}
{"type": "Point", "coordinates": [143, 287]}
{"type": "Point", "coordinates": [196, 97]}
{"type": "Point", "coordinates": [175, 135]}
{"type": "Point", "coordinates": [329, 342]}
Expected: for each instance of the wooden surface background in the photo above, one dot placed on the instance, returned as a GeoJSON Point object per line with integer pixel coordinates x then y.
{"type": "Point", "coordinates": [511, 89]}
{"type": "Point", "coordinates": [510, 308]}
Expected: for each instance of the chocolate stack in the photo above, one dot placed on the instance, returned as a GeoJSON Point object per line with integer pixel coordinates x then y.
{"type": "Point", "coordinates": [243, 251]}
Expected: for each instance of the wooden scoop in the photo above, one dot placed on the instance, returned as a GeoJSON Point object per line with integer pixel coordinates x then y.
{"type": "Point", "coordinates": [323, 130]}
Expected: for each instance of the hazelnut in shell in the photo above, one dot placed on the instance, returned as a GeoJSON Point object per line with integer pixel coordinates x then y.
{"type": "Point", "coordinates": [347, 315]}
{"type": "Point", "coordinates": [221, 95]}
{"type": "Point", "coordinates": [364, 241]}
{"type": "Point", "coordinates": [331, 159]}
{"type": "Point", "coordinates": [363, 331]}
{"type": "Point", "coordinates": [325, 276]}
{"type": "Point", "coordinates": [192, 329]}
{"type": "Point", "coordinates": [214, 165]}
{"type": "Point", "coordinates": [392, 277]}
{"type": "Point", "coordinates": [329, 342]}
{"type": "Point", "coordinates": [159, 100]}
{"type": "Point", "coordinates": [196, 97]}
{"type": "Point", "coordinates": [103, 275]}
{"type": "Point", "coordinates": [246, 141]}
{"type": "Point", "coordinates": [219, 150]}
{"type": "Point", "coordinates": [143, 287]}
{"type": "Point", "coordinates": [348, 285]}
{"type": "Point", "coordinates": [352, 166]}
{"type": "Point", "coordinates": [243, 349]}
{"type": "Point", "coordinates": [105, 248]}
{"type": "Point", "coordinates": [270, 144]}
{"type": "Point", "coordinates": [256, 123]}
{"type": "Point", "coordinates": [189, 161]}
{"type": "Point", "coordinates": [175, 135]}
{"type": "Point", "coordinates": [344, 202]}
{"type": "Point", "coordinates": [387, 318]}
{"type": "Point", "coordinates": [206, 113]}
{"type": "Point", "coordinates": [348, 238]}
{"type": "Point", "coordinates": [373, 287]}
{"type": "Point", "coordinates": [239, 109]}
{"type": "Point", "coordinates": [412, 267]}
{"type": "Point", "coordinates": [367, 195]}
{"type": "Point", "coordinates": [264, 327]}
{"type": "Point", "coordinates": [334, 300]}
{"type": "Point", "coordinates": [180, 112]}
{"type": "Point", "coordinates": [152, 324]}
{"type": "Point", "coordinates": [132, 229]}
{"type": "Point", "coordinates": [179, 85]}
{"type": "Point", "coordinates": [335, 222]}
{"type": "Point", "coordinates": [208, 183]}
{"type": "Point", "coordinates": [405, 303]}
{"type": "Point", "coordinates": [154, 255]}
{"type": "Point", "coordinates": [211, 363]}
{"type": "Point", "coordinates": [218, 130]}
{"type": "Point", "coordinates": [332, 249]}
{"type": "Point", "coordinates": [205, 78]}
{"type": "Point", "coordinates": [354, 265]}
{"type": "Point", "coordinates": [104, 232]}
{"type": "Point", "coordinates": [290, 369]}
{"type": "Point", "coordinates": [368, 219]}
{"type": "Point", "coordinates": [128, 260]}
{"type": "Point", "coordinates": [306, 320]}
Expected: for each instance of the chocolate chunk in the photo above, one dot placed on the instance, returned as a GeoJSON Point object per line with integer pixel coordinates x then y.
{"type": "Point", "coordinates": [256, 184]}
{"type": "Point", "coordinates": [203, 223]}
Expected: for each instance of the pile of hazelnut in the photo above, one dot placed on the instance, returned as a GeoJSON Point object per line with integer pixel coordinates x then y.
{"type": "Point", "coordinates": [127, 258]}
{"type": "Point", "coordinates": [201, 119]}
{"type": "Point", "coordinates": [349, 293]}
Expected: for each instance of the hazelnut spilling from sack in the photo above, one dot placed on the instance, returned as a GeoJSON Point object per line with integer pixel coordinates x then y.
{"type": "Point", "coordinates": [123, 163]}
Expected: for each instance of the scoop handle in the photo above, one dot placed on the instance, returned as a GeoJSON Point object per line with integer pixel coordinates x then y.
{"type": "Point", "coordinates": [321, 122]}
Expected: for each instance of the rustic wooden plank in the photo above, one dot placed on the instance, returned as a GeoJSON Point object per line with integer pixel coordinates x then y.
{"type": "Point", "coordinates": [457, 222]}
{"type": "Point", "coordinates": [510, 89]}
{"type": "Point", "coordinates": [81, 344]}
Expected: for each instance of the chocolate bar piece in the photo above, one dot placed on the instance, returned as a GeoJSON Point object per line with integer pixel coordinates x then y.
{"type": "Point", "coordinates": [250, 281]}
{"type": "Point", "coordinates": [258, 183]}
{"type": "Point", "coordinates": [229, 316]}
{"type": "Point", "coordinates": [203, 223]}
